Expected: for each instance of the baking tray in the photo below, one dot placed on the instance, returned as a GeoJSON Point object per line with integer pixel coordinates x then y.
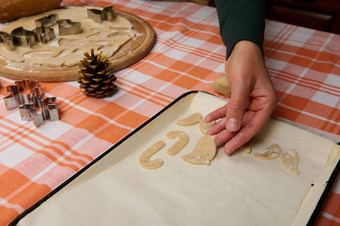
{"type": "Point", "coordinates": [232, 190]}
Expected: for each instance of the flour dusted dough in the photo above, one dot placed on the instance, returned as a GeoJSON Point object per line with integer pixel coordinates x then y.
{"type": "Point", "coordinates": [190, 120]}
{"type": "Point", "coordinates": [144, 158]}
{"type": "Point", "coordinates": [180, 144]}
{"type": "Point", "coordinates": [68, 50]}
{"type": "Point", "coordinates": [204, 126]}
{"type": "Point", "coordinates": [290, 161]}
{"type": "Point", "coordinates": [273, 152]}
{"type": "Point", "coordinates": [204, 151]}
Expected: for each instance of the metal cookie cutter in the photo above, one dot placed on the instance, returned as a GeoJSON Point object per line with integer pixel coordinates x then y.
{"type": "Point", "coordinates": [21, 93]}
{"type": "Point", "coordinates": [23, 37]}
{"type": "Point", "coordinates": [7, 40]}
{"type": "Point", "coordinates": [44, 34]}
{"type": "Point", "coordinates": [99, 16]}
{"type": "Point", "coordinates": [48, 111]}
{"type": "Point", "coordinates": [47, 21]}
{"type": "Point", "coordinates": [27, 95]}
{"type": "Point", "coordinates": [68, 27]}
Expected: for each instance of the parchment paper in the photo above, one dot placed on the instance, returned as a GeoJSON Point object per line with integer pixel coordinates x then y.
{"type": "Point", "coordinates": [233, 190]}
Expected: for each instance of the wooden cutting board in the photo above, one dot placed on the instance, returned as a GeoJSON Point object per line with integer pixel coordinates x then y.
{"type": "Point", "coordinates": [128, 54]}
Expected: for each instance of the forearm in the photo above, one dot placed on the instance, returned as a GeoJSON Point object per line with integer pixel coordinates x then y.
{"type": "Point", "coordinates": [241, 20]}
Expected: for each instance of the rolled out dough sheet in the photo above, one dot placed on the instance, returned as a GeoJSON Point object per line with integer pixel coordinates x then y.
{"type": "Point", "coordinates": [233, 190]}
{"type": "Point", "coordinates": [68, 50]}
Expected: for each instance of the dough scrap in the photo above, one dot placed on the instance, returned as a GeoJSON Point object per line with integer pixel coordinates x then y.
{"type": "Point", "coordinates": [144, 158]}
{"type": "Point", "coordinates": [221, 86]}
{"type": "Point", "coordinates": [56, 53]}
{"type": "Point", "coordinates": [180, 144]}
{"type": "Point", "coordinates": [204, 126]}
{"type": "Point", "coordinates": [273, 152]}
{"type": "Point", "coordinates": [246, 148]}
{"type": "Point", "coordinates": [289, 161]}
{"type": "Point", "coordinates": [190, 120]}
{"type": "Point", "coordinates": [203, 152]}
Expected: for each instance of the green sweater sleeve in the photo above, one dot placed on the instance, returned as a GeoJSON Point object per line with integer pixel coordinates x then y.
{"type": "Point", "coordinates": [241, 20]}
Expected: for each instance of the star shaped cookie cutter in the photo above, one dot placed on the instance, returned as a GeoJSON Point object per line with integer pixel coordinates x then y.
{"type": "Point", "coordinates": [28, 97]}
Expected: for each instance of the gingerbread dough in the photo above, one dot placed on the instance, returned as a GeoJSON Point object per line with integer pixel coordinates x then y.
{"type": "Point", "coordinates": [246, 148]}
{"type": "Point", "coordinates": [144, 158]}
{"type": "Point", "coordinates": [204, 151]}
{"type": "Point", "coordinates": [68, 50]}
{"type": "Point", "coordinates": [290, 161]}
{"type": "Point", "coordinates": [180, 144]}
{"type": "Point", "coordinates": [204, 126]}
{"type": "Point", "coordinates": [190, 120]}
{"type": "Point", "coordinates": [273, 152]}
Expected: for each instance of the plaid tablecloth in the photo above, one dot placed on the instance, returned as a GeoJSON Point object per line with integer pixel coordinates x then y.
{"type": "Point", "coordinates": [188, 55]}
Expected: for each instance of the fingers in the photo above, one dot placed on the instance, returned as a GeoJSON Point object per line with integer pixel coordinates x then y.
{"type": "Point", "coordinates": [217, 114]}
{"type": "Point", "coordinates": [256, 122]}
{"type": "Point", "coordinates": [237, 106]}
{"type": "Point", "coordinates": [218, 127]}
{"type": "Point", "coordinates": [223, 137]}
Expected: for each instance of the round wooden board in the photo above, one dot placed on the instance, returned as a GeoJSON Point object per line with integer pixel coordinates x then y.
{"type": "Point", "coordinates": [130, 53]}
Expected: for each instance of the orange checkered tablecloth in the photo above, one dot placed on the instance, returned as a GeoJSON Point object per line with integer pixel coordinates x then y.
{"type": "Point", "coordinates": [188, 55]}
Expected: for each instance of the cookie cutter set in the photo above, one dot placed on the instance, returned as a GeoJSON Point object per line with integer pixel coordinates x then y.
{"type": "Point", "coordinates": [44, 32]}
{"type": "Point", "coordinates": [28, 97]}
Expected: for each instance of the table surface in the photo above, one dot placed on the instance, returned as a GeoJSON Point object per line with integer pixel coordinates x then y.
{"type": "Point", "coordinates": [188, 55]}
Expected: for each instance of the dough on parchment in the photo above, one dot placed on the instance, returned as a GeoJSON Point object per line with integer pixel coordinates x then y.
{"type": "Point", "coordinates": [190, 120]}
{"type": "Point", "coordinates": [204, 126]}
{"type": "Point", "coordinates": [180, 144]}
{"type": "Point", "coordinates": [246, 148]}
{"type": "Point", "coordinates": [203, 152]}
{"type": "Point", "coordinates": [273, 152]}
{"type": "Point", "coordinates": [290, 161]}
{"type": "Point", "coordinates": [144, 158]}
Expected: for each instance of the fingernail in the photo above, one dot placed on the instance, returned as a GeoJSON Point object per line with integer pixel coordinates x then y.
{"type": "Point", "coordinates": [233, 124]}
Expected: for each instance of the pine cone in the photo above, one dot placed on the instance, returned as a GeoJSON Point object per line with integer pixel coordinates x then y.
{"type": "Point", "coordinates": [96, 78]}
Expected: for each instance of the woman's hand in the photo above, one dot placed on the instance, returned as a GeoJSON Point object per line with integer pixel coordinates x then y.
{"type": "Point", "coordinates": [253, 98]}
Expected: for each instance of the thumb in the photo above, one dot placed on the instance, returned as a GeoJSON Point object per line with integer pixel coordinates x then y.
{"type": "Point", "coordinates": [236, 107]}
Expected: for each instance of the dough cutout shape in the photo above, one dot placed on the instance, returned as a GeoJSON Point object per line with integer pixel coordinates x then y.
{"type": "Point", "coordinates": [273, 152]}
{"type": "Point", "coordinates": [290, 161]}
{"type": "Point", "coordinates": [204, 126]}
{"type": "Point", "coordinates": [203, 152]}
{"type": "Point", "coordinates": [246, 148]}
{"type": "Point", "coordinates": [144, 158]}
{"type": "Point", "coordinates": [180, 144]}
{"type": "Point", "coordinates": [190, 120]}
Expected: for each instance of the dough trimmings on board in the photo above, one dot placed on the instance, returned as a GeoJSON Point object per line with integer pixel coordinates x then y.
{"type": "Point", "coordinates": [108, 36]}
